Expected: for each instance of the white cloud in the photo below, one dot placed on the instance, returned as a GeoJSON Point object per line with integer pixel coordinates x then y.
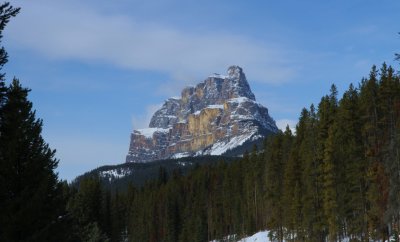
{"type": "Point", "coordinates": [142, 121]}
{"type": "Point", "coordinates": [282, 123]}
{"type": "Point", "coordinates": [71, 31]}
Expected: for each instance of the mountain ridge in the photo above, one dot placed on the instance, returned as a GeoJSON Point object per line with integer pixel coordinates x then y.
{"type": "Point", "coordinates": [211, 118]}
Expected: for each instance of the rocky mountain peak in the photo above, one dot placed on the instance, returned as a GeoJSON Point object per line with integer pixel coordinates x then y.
{"type": "Point", "coordinates": [235, 72]}
{"type": "Point", "coordinates": [212, 117]}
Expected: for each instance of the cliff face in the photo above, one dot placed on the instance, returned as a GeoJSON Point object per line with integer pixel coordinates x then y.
{"type": "Point", "coordinates": [217, 115]}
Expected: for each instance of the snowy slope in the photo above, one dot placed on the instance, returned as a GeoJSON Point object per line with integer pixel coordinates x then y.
{"type": "Point", "coordinates": [261, 236]}
{"type": "Point", "coordinates": [258, 237]}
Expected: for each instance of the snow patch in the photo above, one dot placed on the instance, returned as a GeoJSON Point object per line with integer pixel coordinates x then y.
{"type": "Point", "coordinates": [149, 132]}
{"type": "Point", "coordinates": [115, 173]}
{"type": "Point", "coordinates": [180, 155]}
{"type": "Point", "coordinates": [216, 106]}
{"type": "Point", "coordinates": [258, 237]}
{"type": "Point", "coordinates": [184, 163]}
{"type": "Point", "coordinates": [261, 236]}
{"type": "Point", "coordinates": [216, 75]}
{"type": "Point", "coordinates": [239, 100]}
{"type": "Point", "coordinates": [221, 147]}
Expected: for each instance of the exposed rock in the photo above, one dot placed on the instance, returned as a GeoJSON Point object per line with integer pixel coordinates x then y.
{"type": "Point", "coordinates": [217, 115]}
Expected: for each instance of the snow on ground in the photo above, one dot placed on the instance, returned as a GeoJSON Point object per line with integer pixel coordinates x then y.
{"type": "Point", "coordinates": [261, 236]}
{"type": "Point", "coordinates": [184, 163]}
{"type": "Point", "coordinates": [115, 173]}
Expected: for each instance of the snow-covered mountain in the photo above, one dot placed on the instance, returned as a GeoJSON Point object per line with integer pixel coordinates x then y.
{"type": "Point", "coordinates": [216, 116]}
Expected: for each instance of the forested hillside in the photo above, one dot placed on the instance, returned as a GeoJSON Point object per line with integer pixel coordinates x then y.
{"type": "Point", "coordinates": [337, 177]}
{"type": "Point", "coordinates": [119, 177]}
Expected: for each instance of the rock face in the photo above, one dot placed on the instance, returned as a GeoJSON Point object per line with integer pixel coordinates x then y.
{"type": "Point", "coordinates": [212, 118]}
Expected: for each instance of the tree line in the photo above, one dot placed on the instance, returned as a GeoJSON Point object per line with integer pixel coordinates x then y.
{"type": "Point", "coordinates": [336, 177]}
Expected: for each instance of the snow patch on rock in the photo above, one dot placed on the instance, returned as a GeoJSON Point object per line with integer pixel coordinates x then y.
{"type": "Point", "coordinates": [149, 132]}
{"type": "Point", "coordinates": [180, 155]}
{"type": "Point", "coordinates": [222, 147]}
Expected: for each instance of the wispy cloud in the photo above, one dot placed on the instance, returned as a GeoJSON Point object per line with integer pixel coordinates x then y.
{"type": "Point", "coordinates": [282, 123]}
{"type": "Point", "coordinates": [142, 121]}
{"type": "Point", "coordinates": [63, 31]}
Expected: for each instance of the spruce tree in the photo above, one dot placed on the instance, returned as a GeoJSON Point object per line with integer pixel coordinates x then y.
{"type": "Point", "coordinates": [330, 203]}
{"type": "Point", "coordinates": [351, 165]}
{"type": "Point", "coordinates": [31, 195]}
{"type": "Point", "coordinates": [377, 189]}
{"type": "Point", "coordinates": [6, 12]}
{"type": "Point", "coordinates": [389, 99]}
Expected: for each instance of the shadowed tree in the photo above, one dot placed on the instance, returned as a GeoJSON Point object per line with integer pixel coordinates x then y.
{"type": "Point", "coordinates": [31, 195]}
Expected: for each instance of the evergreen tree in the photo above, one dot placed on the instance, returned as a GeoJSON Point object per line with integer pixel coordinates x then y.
{"type": "Point", "coordinates": [6, 12]}
{"type": "Point", "coordinates": [86, 208]}
{"type": "Point", "coordinates": [325, 167]}
{"type": "Point", "coordinates": [330, 195]}
{"type": "Point", "coordinates": [312, 189]}
{"type": "Point", "coordinates": [388, 100]}
{"type": "Point", "coordinates": [276, 155]}
{"type": "Point", "coordinates": [377, 189]}
{"type": "Point", "coordinates": [31, 195]}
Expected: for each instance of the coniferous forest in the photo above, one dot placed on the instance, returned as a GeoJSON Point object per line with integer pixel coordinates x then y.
{"type": "Point", "coordinates": [336, 177]}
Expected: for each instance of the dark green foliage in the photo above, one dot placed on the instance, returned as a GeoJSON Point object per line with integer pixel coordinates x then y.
{"type": "Point", "coordinates": [31, 196]}
{"type": "Point", "coordinates": [276, 156]}
{"type": "Point", "coordinates": [6, 12]}
{"type": "Point", "coordinates": [139, 173]}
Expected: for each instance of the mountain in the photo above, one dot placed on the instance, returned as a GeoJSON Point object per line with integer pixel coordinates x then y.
{"type": "Point", "coordinates": [216, 117]}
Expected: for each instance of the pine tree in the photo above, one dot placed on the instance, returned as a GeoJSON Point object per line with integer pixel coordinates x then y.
{"type": "Point", "coordinates": [325, 165]}
{"type": "Point", "coordinates": [330, 203]}
{"type": "Point", "coordinates": [294, 184]}
{"type": "Point", "coordinates": [30, 190]}
{"type": "Point", "coordinates": [6, 12]}
{"type": "Point", "coordinates": [276, 156]}
{"type": "Point", "coordinates": [389, 100]}
{"type": "Point", "coordinates": [377, 189]}
{"type": "Point", "coordinates": [312, 190]}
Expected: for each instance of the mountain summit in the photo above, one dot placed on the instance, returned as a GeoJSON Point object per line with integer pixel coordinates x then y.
{"type": "Point", "coordinates": [212, 118]}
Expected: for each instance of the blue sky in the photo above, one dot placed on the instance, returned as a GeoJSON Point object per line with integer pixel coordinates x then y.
{"type": "Point", "coordinates": [98, 69]}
